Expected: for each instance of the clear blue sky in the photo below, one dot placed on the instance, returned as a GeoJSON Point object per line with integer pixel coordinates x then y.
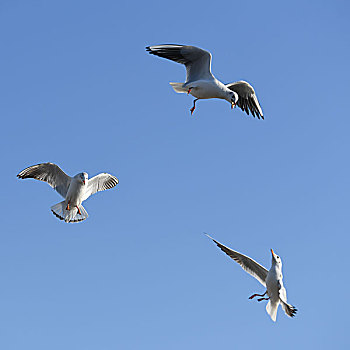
{"type": "Point", "coordinates": [78, 89]}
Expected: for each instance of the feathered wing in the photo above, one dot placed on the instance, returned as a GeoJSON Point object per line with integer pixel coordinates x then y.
{"type": "Point", "coordinates": [290, 310]}
{"type": "Point", "coordinates": [50, 173]}
{"type": "Point", "coordinates": [100, 182]}
{"type": "Point", "coordinates": [196, 60]}
{"type": "Point", "coordinates": [248, 264]}
{"type": "Point", "coordinates": [247, 100]}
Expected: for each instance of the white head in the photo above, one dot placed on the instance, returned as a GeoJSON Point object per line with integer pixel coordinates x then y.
{"type": "Point", "coordinates": [82, 178]}
{"type": "Point", "coordinates": [276, 260]}
{"type": "Point", "coordinates": [232, 97]}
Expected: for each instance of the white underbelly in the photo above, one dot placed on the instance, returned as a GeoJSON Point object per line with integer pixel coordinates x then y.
{"type": "Point", "coordinates": [74, 195]}
{"type": "Point", "coordinates": [206, 89]}
{"type": "Point", "coordinates": [272, 287]}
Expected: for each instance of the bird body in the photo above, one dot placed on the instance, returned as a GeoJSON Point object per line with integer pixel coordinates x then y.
{"type": "Point", "coordinates": [211, 88]}
{"type": "Point", "coordinates": [201, 83]}
{"type": "Point", "coordinates": [74, 190]}
{"type": "Point", "coordinates": [77, 189]}
{"type": "Point", "coordinates": [271, 279]}
{"type": "Point", "coordinates": [273, 276]}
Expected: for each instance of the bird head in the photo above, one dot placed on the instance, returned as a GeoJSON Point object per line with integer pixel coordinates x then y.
{"type": "Point", "coordinates": [232, 98]}
{"type": "Point", "coordinates": [82, 177]}
{"type": "Point", "coordinates": [276, 260]}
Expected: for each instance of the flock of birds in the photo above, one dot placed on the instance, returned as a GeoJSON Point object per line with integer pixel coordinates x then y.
{"type": "Point", "coordinates": [201, 84]}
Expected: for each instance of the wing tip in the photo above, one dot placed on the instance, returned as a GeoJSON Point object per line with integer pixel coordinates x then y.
{"type": "Point", "coordinates": [209, 236]}
{"type": "Point", "coordinates": [292, 311]}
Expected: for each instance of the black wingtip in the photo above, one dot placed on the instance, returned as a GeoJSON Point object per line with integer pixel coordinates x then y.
{"type": "Point", "coordinates": [207, 234]}
{"type": "Point", "coordinates": [291, 311]}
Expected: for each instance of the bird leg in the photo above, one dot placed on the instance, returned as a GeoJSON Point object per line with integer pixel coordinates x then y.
{"type": "Point", "coordinates": [79, 212]}
{"type": "Point", "coordinates": [194, 106]}
{"type": "Point", "coordinates": [257, 295]}
{"type": "Point", "coordinates": [67, 206]}
{"type": "Point", "coordinates": [261, 299]}
{"type": "Point", "coordinates": [189, 90]}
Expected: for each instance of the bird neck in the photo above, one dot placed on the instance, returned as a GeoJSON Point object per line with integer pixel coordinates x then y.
{"type": "Point", "coordinates": [275, 265]}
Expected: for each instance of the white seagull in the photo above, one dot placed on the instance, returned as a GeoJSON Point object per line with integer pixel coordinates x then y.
{"type": "Point", "coordinates": [74, 190]}
{"type": "Point", "coordinates": [271, 279]}
{"type": "Point", "coordinates": [201, 83]}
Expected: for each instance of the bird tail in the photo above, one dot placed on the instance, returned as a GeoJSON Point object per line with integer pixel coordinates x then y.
{"type": "Point", "coordinates": [71, 215]}
{"type": "Point", "coordinates": [290, 310]}
{"type": "Point", "coordinates": [271, 309]}
{"type": "Point", "coordinates": [179, 87]}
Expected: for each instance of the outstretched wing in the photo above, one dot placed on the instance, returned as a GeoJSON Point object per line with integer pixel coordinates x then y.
{"type": "Point", "coordinates": [196, 60]}
{"type": "Point", "coordinates": [100, 182]}
{"type": "Point", "coordinates": [247, 100]}
{"type": "Point", "coordinates": [248, 264]}
{"type": "Point", "coordinates": [50, 173]}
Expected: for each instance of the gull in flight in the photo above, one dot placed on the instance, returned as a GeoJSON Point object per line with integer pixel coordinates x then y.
{"type": "Point", "coordinates": [271, 279]}
{"type": "Point", "coordinates": [201, 83]}
{"type": "Point", "coordinates": [74, 190]}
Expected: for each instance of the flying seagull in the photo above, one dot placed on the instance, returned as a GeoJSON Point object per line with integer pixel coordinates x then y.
{"type": "Point", "coordinates": [201, 83]}
{"type": "Point", "coordinates": [74, 190]}
{"type": "Point", "coordinates": [271, 279]}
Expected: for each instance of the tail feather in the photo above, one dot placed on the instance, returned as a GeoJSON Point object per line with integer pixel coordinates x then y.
{"type": "Point", "coordinates": [271, 309]}
{"type": "Point", "coordinates": [178, 87]}
{"type": "Point", "coordinates": [290, 310]}
{"type": "Point", "coordinates": [71, 215]}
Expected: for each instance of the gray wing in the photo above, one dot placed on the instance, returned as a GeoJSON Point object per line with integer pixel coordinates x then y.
{"type": "Point", "coordinates": [282, 291]}
{"type": "Point", "coordinates": [50, 173]}
{"type": "Point", "coordinates": [196, 60]}
{"type": "Point", "coordinates": [290, 310]}
{"type": "Point", "coordinates": [100, 182]}
{"type": "Point", "coordinates": [248, 264]}
{"type": "Point", "coordinates": [247, 100]}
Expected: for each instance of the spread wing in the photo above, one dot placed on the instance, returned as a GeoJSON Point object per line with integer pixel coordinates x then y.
{"type": "Point", "coordinates": [248, 264]}
{"type": "Point", "coordinates": [50, 173]}
{"type": "Point", "coordinates": [247, 100]}
{"type": "Point", "coordinates": [100, 182]}
{"type": "Point", "coordinates": [196, 60]}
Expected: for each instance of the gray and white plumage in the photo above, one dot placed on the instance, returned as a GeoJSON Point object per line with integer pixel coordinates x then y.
{"type": "Point", "coordinates": [271, 279]}
{"type": "Point", "coordinates": [73, 189]}
{"type": "Point", "coordinates": [201, 83]}
{"type": "Point", "coordinates": [247, 101]}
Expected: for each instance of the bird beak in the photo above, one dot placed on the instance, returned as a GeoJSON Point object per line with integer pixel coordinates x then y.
{"type": "Point", "coordinates": [84, 182]}
{"type": "Point", "coordinates": [233, 105]}
{"type": "Point", "coordinates": [272, 252]}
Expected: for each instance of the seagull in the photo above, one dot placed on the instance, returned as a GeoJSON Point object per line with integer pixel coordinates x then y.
{"type": "Point", "coordinates": [74, 190]}
{"type": "Point", "coordinates": [271, 279]}
{"type": "Point", "coordinates": [201, 83]}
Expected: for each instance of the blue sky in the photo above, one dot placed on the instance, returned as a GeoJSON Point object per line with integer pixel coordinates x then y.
{"type": "Point", "coordinates": [78, 89]}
